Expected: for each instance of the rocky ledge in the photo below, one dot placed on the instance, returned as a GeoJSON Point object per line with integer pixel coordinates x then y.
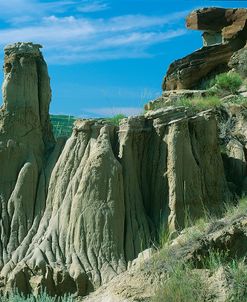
{"type": "Point", "coordinates": [223, 36]}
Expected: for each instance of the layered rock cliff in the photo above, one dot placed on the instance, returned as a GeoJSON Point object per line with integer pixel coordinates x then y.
{"type": "Point", "coordinates": [73, 215]}
{"type": "Point", "coordinates": [224, 33]}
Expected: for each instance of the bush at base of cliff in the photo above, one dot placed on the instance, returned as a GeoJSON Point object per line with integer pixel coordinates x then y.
{"type": "Point", "coordinates": [43, 297]}
{"type": "Point", "coordinates": [186, 283]}
{"type": "Point", "coordinates": [183, 285]}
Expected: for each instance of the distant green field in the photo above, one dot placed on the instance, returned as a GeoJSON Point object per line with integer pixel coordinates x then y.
{"type": "Point", "coordinates": [62, 125]}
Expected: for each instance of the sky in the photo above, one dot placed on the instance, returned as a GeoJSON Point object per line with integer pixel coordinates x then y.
{"type": "Point", "coordinates": [104, 57]}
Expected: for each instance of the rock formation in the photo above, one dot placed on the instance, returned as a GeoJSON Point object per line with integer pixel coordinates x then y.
{"type": "Point", "coordinates": [231, 25]}
{"type": "Point", "coordinates": [150, 274]}
{"type": "Point", "coordinates": [26, 138]}
{"type": "Point", "coordinates": [228, 22]}
{"type": "Point", "coordinates": [233, 139]}
{"type": "Point", "coordinates": [73, 215]}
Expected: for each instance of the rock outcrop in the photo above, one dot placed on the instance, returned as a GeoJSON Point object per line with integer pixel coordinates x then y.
{"type": "Point", "coordinates": [25, 139]}
{"type": "Point", "coordinates": [228, 22]}
{"type": "Point", "coordinates": [238, 62]}
{"type": "Point", "coordinates": [231, 25]}
{"type": "Point", "coordinates": [73, 215]}
{"type": "Point", "coordinates": [231, 120]}
{"type": "Point", "coordinates": [226, 237]}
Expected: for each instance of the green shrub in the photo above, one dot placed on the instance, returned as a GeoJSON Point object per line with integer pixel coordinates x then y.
{"type": "Point", "coordinates": [232, 211]}
{"type": "Point", "coordinates": [238, 100]}
{"type": "Point", "coordinates": [199, 103]}
{"type": "Point", "coordinates": [42, 297]}
{"type": "Point", "coordinates": [214, 259]}
{"type": "Point", "coordinates": [115, 120]}
{"type": "Point", "coordinates": [238, 273]}
{"type": "Point", "coordinates": [183, 285]}
{"type": "Point", "coordinates": [163, 236]}
{"type": "Point", "coordinates": [228, 82]}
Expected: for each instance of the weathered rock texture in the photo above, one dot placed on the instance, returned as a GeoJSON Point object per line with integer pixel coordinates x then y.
{"type": "Point", "coordinates": [228, 22]}
{"type": "Point", "coordinates": [232, 121]}
{"type": "Point", "coordinates": [238, 62]}
{"type": "Point", "coordinates": [72, 216]}
{"type": "Point", "coordinates": [186, 73]}
{"type": "Point", "coordinates": [141, 281]}
{"type": "Point", "coordinates": [25, 138]}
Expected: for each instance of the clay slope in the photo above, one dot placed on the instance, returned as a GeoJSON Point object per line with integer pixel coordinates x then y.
{"type": "Point", "coordinates": [72, 216]}
{"type": "Point", "coordinates": [212, 255]}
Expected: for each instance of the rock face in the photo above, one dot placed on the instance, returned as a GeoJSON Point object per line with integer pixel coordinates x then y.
{"type": "Point", "coordinates": [73, 215]}
{"type": "Point", "coordinates": [238, 62]}
{"type": "Point", "coordinates": [233, 139]}
{"type": "Point", "coordinates": [141, 281]}
{"type": "Point", "coordinates": [25, 138]}
{"type": "Point", "coordinates": [227, 22]}
{"type": "Point", "coordinates": [186, 73]}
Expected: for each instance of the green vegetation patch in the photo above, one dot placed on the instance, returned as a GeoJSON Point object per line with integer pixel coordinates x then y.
{"type": "Point", "coordinates": [115, 120]}
{"type": "Point", "coordinates": [187, 281]}
{"type": "Point", "coordinates": [227, 82]}
{"type": "Point", "coordinates": [42, 297]}
{"type": "Point", "coordinates": [62, 125]}
{"type": "Point", "coordinates": [183, 285]}
{"type": "Point", "coordinates": [199, 103]}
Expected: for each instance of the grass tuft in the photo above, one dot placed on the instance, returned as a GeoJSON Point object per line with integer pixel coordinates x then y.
{"type": "Point", "coordinates": [183, 285]}
{"type": "Point", "coordinates": [200, 103]}
{"type": "Point", "coordinates": [227, 82]}
{"type": "Point", "coordinates": [42, 297]}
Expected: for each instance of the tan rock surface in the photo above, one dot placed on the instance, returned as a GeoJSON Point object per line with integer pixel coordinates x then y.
{"type": "Point", "coordinates": [73, 215]}
{"type": "Point", "coordinates": [229, 22]}
{"type": "Point", "coordinates": [139, 283]}
{"type": "Point", "coordinates": [189, 72]}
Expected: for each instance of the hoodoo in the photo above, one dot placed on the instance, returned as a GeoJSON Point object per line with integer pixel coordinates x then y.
{"type": "Point", "coordinates": [73, 216]}
{"type": "Point", "coordinates": [76, 212]}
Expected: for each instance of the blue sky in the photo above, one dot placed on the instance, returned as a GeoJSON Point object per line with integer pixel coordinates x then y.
{"type": "Point", "coordinates": [104, 56]}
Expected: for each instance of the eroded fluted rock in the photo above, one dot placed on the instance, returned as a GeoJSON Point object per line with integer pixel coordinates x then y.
{"type": "Point", "coordinates": [25, 136]}
{"type": "Point", "coordinates": [73, 215]}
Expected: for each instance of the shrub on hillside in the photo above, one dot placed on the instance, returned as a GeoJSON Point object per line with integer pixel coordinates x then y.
{"type": "Point", "coordinates": [183, 285]}
{"type": "Point", "coordinates": [200, 103]}
{"type": "Point", "coordinates": [227, 82]}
